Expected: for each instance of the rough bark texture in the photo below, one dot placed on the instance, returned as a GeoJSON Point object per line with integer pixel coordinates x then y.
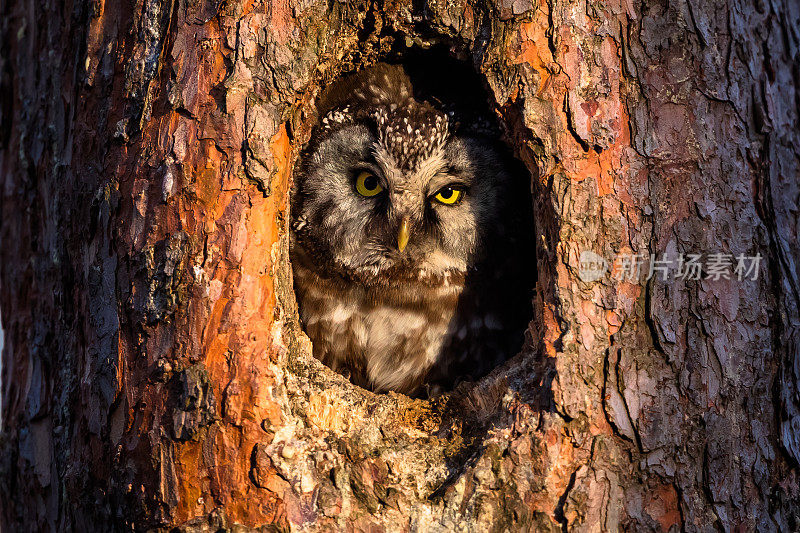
{"type": "Point", "coordinates": [154, 374]}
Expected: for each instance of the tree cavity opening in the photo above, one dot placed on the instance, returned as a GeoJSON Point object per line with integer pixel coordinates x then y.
{"type": "Point", "coordinates": [412, 232]}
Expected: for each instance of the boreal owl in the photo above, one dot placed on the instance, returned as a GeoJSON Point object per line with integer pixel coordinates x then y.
{"type": "Point", "coordinates": [411, 237]}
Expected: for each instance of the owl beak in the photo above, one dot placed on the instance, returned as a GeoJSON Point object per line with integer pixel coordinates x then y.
{"type": "Point", "coordinates": [402, 235]}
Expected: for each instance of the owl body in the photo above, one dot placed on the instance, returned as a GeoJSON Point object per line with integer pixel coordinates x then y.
{"type": "Point", "coordinates": [410, 247]}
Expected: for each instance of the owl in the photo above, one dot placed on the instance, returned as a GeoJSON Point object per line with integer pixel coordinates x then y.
{"type": "Point", "coordinates": [411, 237]}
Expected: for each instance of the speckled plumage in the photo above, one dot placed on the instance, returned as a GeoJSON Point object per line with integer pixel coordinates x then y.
{"type": "Point", "coordinates": [455, 302]}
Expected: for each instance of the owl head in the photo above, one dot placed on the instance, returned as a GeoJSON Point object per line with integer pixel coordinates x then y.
{"type": "Point", "coordinates": [395, 186]}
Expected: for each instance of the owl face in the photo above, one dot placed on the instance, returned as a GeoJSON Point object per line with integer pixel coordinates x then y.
{"type": "Point", "coordinates": [398, 194]}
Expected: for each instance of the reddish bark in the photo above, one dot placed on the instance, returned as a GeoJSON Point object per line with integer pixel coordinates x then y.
{"type": "Point", "coordinates": [155, 375]}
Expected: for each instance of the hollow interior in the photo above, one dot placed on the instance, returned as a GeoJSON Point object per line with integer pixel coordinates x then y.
{"type": "Point", "coordinates": [454, 87]}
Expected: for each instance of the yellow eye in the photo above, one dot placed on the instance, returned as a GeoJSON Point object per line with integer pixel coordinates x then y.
{"type": "Point", "coordinates": [367, 184]}
{"type": "Point", "coordinates": [449, 195]}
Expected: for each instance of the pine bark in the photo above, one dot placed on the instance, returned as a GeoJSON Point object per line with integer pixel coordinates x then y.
{"type": "Point", "coordinates": [154, 374]}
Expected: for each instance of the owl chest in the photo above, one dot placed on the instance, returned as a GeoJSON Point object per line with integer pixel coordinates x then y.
{"type": "Point", "coordinates": [383, 341]}
{"type": "Point", "coordinates": [391, 346]}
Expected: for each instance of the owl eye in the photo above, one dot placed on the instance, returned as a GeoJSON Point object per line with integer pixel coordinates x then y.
{"type": "Point", "coordinates": [449, 195]}
{"type": "Point", "coordinates": [367, 184]}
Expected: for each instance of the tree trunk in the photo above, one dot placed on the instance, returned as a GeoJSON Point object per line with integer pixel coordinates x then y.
{"type": "Point", "coordinates": [154, 373]}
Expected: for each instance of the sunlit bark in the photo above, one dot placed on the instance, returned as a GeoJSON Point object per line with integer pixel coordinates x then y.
{"type": "Point", "coordinates": [154, 374]}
